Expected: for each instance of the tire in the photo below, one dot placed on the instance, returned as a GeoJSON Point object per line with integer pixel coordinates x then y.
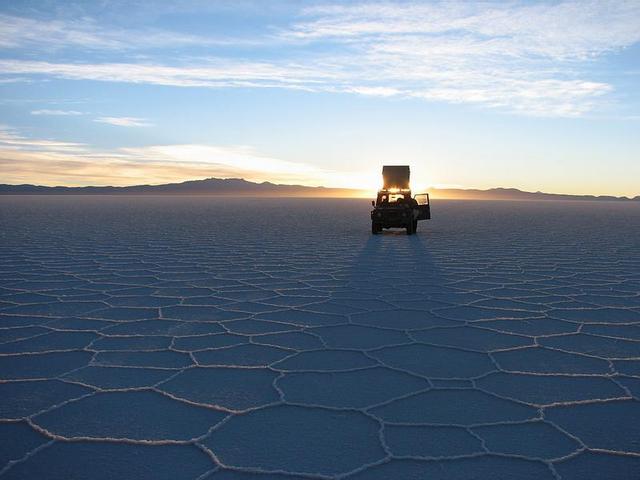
{"type": "Point", "coordinates": [415, 226]}
{"type": "Point", "coordinates": [375, 228]}
{"type": "Point", "coordinates": [410, 230]}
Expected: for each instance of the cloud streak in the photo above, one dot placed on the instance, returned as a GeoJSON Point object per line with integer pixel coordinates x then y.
{"type": "Point", "coordinates": [124, 121]}
{"type": "Point", "coordinates": [11, 140]}
{"type": "Point", "coordinates": [85, 33]}
{"type": "Point", "coordinates": [215, 73]}
{"type": "Point", "coordinates": [64, 113]}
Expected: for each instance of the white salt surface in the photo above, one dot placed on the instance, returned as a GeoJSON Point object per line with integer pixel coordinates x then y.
{"type": "Point", "coordinates": [187, 338]}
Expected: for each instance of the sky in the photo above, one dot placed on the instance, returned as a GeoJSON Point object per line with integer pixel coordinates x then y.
{"type": "Point", "coordinates": [541, 96]}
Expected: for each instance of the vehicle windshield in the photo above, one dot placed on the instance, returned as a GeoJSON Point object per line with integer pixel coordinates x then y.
{"type": "Point", "coordinates": [395, 198]}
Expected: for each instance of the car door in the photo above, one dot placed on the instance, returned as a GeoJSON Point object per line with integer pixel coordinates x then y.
{"type": "Point", "coordinates": [424, 207]}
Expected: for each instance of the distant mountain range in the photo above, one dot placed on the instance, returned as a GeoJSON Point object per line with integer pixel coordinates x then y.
{"type": "Point", "coordinates": [515, 194]}
{"type": "Point", "coordinates": [241, 187]}
{"type": "Point", "coordinates": [209, 186]}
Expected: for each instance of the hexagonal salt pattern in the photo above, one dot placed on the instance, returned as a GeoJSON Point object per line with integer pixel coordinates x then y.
{"type": "Point", "coordinates": [269, 439]}
{"type": "Point", "coordinates": [195, 338]}
{"type": "Point", "coordinates": [109, 460]}
{"type": "Point", "coordinates": [134, 415]}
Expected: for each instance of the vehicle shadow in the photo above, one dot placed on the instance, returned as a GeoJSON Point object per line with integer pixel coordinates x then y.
{"type": "Point", "coordinates": [394, 265]}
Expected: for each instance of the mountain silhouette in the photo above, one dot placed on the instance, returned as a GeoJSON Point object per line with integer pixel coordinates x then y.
{"type": "Point", "coordinates": [240, 187]}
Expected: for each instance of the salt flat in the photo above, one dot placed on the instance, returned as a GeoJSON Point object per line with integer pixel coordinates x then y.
{"type": "Point", "coordinates": [186, 338]}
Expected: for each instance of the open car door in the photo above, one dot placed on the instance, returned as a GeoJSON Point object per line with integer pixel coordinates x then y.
{"type": "Point", "coordinates": [423, 206]}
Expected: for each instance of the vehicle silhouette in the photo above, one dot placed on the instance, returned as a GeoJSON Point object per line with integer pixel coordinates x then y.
{"type": "Point", "coordinates": [394, 206]}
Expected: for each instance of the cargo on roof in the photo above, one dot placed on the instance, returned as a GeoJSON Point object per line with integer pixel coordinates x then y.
{"type": "Point", "coordinates": [396, 176]}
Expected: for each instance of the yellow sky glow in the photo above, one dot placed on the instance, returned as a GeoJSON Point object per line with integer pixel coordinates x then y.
{"type": "Point", "coordinates": [51, 163]}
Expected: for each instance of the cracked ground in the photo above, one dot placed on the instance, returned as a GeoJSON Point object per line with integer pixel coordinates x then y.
{"type": "Point", "coordinates": [192, 338]}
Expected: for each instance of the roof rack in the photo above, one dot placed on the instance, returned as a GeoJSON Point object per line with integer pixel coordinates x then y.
{"type": "Point", "coordinates": [396, 176]}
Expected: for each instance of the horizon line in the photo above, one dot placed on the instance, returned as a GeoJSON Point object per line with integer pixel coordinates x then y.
{"type": "Point", "coordinates": [356, 192]}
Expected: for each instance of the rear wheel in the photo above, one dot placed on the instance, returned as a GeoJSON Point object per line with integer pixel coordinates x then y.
{"type": "Point", "coordinates": [415, 226]}
{"type": "Point", "coordinates": [410, 230]}
{"type": "Point", "coordinates": [375, 228]}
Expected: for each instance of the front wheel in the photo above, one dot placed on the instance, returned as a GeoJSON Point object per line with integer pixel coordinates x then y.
{"type": "Point", "coordinates": [415, 226]}
{"type": "Point", "coordinates": [375, 228]}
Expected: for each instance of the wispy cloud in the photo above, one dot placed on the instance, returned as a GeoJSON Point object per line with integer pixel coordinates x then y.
{"type": "Point", "coordinates": [7, 80]}
{"type": "Point", "coordinates": [84, 33]}
{"type": "Point", "coordinates": [50, 162]}
{"type": "Point", "coordinates": [11, 140]}
{"type": "Point", "coordinates": [528, 58]}
{"type": "Point", "coordinates": [523, 57]}
{"type": "Point", "coordinates": [568, 29]}
{"type": "Point", "coordinates": [214, 73]}
{"type": "Point", "coordinates": [124, 121]}
{"type": "Point", "coordinates": [45, 111]}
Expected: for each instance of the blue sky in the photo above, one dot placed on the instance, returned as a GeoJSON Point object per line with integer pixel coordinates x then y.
{"type": "Point", "coordinates": [534, 95]}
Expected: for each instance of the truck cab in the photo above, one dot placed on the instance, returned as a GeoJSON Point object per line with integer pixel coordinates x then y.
{"type": "Point", "coordinates": [395, 207]}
